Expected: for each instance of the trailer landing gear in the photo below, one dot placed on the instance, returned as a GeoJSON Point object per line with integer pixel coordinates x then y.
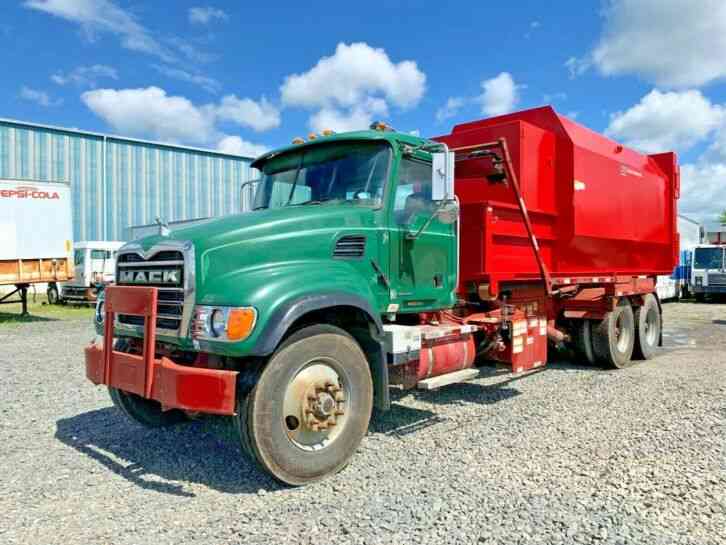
{"type": "Point", "coordinates": [22, 291]}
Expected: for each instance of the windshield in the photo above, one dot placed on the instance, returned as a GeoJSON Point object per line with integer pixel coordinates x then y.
{"type": "Point", "coordinates": [338, 172]}
{"type": "Point", "coordinates": [708, 258]}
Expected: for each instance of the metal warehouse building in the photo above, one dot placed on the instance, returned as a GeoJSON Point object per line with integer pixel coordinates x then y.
{"type": "Point", "coordinates": [117, 182]}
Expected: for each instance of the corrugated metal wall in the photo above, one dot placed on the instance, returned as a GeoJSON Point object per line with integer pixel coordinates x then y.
{"type": "Point", "coordinates": [130, 184]}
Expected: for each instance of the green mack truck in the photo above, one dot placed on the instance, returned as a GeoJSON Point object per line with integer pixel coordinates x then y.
{"type": "Point", "coordinates": [358, 269]}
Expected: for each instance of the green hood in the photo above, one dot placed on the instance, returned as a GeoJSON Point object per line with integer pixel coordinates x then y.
{"type": "Point", "coordinates": [239, 257]}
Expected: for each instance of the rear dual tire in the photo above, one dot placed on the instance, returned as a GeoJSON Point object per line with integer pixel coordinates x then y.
{"type": "Point", "coordinates": [624, 335]}
{"type": "Point", "coordinates": [613, 338]}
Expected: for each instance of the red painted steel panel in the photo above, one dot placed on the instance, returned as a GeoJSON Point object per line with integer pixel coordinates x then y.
{"type": "Point", "coordinates": [175, 386]}
{"type": "Point", "coordinates": [597, 208]}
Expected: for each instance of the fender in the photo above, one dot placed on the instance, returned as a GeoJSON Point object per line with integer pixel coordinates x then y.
{"type": "Point", "coordinates": [287, 314]}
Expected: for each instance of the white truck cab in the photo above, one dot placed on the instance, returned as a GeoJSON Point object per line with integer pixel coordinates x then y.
{"type": "Point", "coordinates": [95, 263]}
{"type": "Point", "coordinates": [708, 273]}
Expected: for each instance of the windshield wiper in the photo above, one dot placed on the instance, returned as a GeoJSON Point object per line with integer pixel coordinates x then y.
{"type": "Point", "coordinates": [261, 207]}
{"type": "Point", "coordinates": [314, 201]}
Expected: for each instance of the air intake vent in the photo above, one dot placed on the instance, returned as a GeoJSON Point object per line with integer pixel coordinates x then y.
{"type": "Point", "coordinates": [350, 247]}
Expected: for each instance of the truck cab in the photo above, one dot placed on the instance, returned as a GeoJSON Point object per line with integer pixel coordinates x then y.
{"type": "Point", "coordinates": [94, 265]}
{"type": "Point", "coordinates": [708, 272]}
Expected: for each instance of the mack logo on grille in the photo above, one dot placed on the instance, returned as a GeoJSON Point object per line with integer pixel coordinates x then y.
{"type": "Point", "coordinates": [150, 277]}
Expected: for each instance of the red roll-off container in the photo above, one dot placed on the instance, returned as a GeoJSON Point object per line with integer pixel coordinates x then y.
{"type": "Point", "coordinates": [597, 208]}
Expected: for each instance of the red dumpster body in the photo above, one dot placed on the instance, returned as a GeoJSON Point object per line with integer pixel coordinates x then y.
{"type": "Point", "coordinates": [597, 208]}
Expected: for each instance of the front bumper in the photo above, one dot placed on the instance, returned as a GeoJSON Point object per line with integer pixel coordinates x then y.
{"type": "Point", "coordinates": [174, 386]}
{"type": "Point", "coordinates": [79, 294]}
{"type": "Point", "coordinates": [709, 289]}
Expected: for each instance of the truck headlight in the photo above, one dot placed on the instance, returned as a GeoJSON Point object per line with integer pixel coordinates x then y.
{"type": "Point", "coordinates": [698, 281]}
{"type": "Point", "coordinates": [223, 323]}
{"type": "Point", "coordinates": [218, 322]}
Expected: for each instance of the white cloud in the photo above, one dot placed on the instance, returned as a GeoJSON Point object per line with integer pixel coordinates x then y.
{"type": "Point", "coordinates": [236, 146]}
{"type": "Point", "coordinates": [205, 15]}
{"type": "Point", "coordinates": [702, 188]}
{"type": "Point", "coordinates": [351, 75]}
{"type": "Point", "coordinates": [500, 95]}
{"type": "Point", "coordinates": [353, 84]}
{"type": "Point", "coordinates": [260, 116]}
{"type": "Point", "coordinates": [104, 16]}
{"type": "Point", "coordinates": [210, 85]}
{"type": "Point", "coordinates": [577, 66]}
{"type": "Point", "coordinates": [673, 43]}
{"type": "Point", "coordinates": [39, 97]}
{"type": "Point", "coordinates": [662, 121]}
{"type": "Point", "coordinates": [356, 118]}
{"type": "Point", "coordinates": [95, 16]}
{"type": "Point", "coordinates": [450, 109]}
{"type": "Point", "coordinates": [151, 112]}
{"type": "Point", "coordinates": [85, 76]}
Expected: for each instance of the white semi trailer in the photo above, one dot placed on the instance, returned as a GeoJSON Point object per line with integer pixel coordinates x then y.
{"type": "Point", "coordinates": [36, 237]}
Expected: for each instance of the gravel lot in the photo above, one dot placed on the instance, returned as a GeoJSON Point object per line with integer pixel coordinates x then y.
{"type": "Point", "coordinates": [569, 455]}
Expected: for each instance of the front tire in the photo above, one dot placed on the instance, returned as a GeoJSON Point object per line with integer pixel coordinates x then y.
{"type": "Point", "coordinates": [310, 407]}
{"type": "Point", "coordinates": [52, 293]}
{"type": "Point", "coordinates": [146, 412]}
{"type": "Point", "coordinates": [614, 337]}
{"type": "Point", "coordinates": [648, 324]}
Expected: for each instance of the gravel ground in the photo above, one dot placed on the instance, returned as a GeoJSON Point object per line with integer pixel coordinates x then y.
{"type": "Point", "coordinates": [569, 455]}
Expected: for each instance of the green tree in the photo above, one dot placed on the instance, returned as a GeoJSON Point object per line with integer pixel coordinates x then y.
{"type": "Point", "coordinates": [722, 217]}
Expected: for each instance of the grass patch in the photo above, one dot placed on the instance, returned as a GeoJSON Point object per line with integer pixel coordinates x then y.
{"type": "Point", "coordinates": [43, 312]}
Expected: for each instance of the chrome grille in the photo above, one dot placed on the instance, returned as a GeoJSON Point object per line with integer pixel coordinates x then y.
{"type": "Point", "coordinates": [135, 269]}
{"type": "Point", "coordinates": [717, 279]}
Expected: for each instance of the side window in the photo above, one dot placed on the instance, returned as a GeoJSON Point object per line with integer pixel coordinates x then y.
{"type": "Point", "coordinates": [413, 193]}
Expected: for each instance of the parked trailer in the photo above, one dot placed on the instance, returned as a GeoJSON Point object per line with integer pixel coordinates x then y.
{"type": "Point", "coordinates": [36, 237]}
{"type": "Point", "coordinates": [94, 264]}
{"type": "Point", "coordinates": [378, 258]}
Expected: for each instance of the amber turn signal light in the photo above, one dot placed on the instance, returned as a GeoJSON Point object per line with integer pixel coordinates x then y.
{"type": "Point", "coordinates": [240, 323]}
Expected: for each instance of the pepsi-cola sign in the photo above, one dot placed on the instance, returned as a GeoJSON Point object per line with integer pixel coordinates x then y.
{"type": "Point", "coordinates": [28, 192]}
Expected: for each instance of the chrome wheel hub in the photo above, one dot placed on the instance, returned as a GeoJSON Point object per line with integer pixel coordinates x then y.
{"type": "Point", "coordinates": [315, 406]}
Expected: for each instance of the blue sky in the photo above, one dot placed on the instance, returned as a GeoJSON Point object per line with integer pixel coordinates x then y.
{"type": "Point", "coordinates": [245, 78]}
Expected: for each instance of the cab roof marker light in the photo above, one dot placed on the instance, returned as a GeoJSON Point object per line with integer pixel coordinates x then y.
{"type": "Point", "coordinates": [381, 127]}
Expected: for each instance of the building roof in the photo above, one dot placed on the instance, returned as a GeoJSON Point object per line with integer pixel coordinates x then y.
{"type": "Point", "coordinates": [123, 138]}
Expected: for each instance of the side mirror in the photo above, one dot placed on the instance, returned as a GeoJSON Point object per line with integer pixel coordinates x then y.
{"type": "Point", "coordinates": [442, 176]}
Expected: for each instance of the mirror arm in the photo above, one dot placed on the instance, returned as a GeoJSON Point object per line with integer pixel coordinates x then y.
{"type": "Point", "coordinates": [412, 236]}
